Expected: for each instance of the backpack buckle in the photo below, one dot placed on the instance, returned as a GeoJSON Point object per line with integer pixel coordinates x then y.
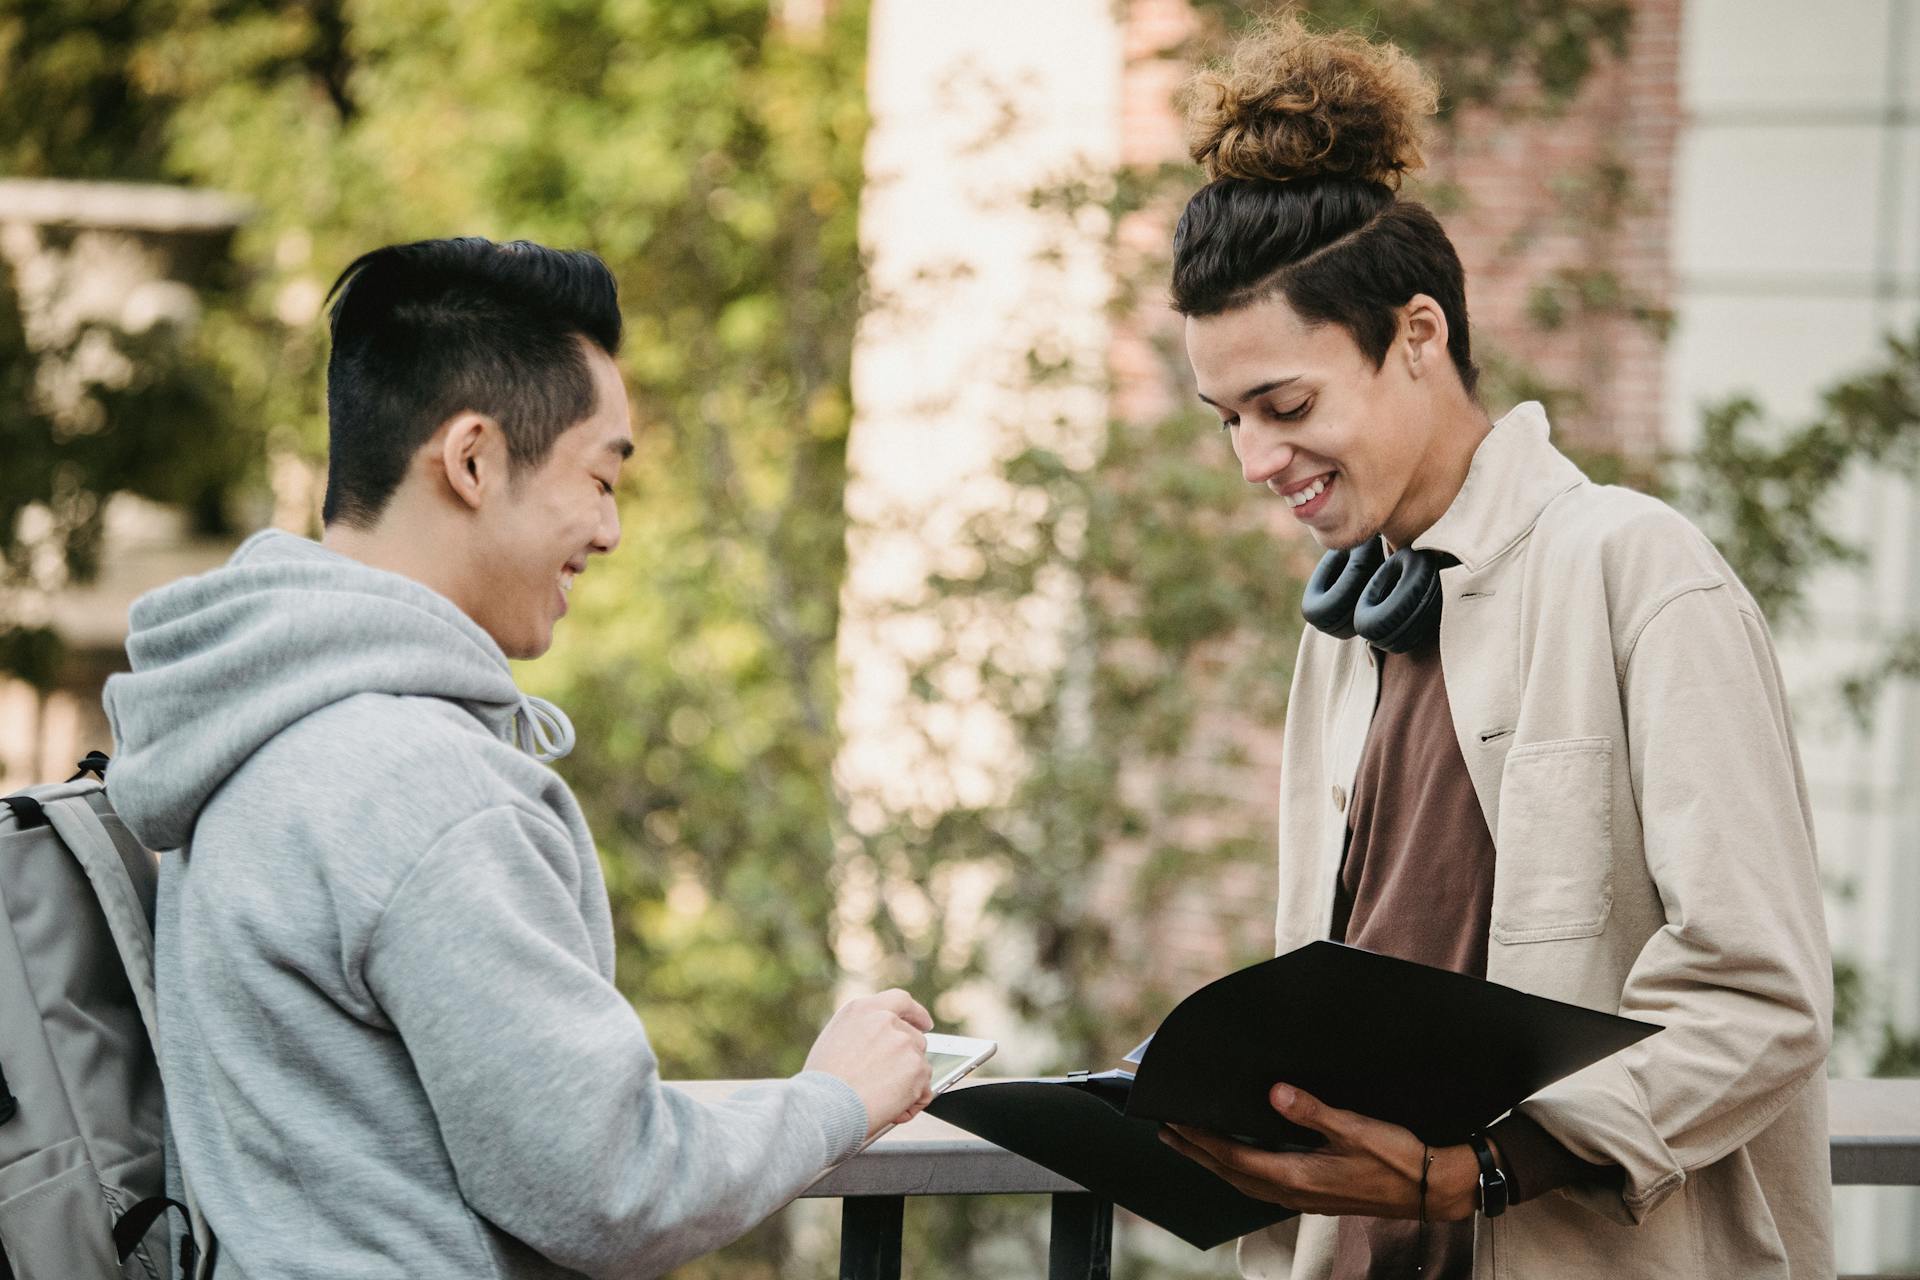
{"type": "Point", "coordinates": [95, 763]}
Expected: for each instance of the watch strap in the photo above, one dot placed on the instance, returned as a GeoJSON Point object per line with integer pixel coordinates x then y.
{"type": "Point", "coordinates": [1493, 1183]}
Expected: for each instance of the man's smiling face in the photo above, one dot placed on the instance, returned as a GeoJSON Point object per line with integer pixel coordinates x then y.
{"type": "Point", "coordinates": [1312, 419]}
{"type": "Point", "coordinates": [553, 518]}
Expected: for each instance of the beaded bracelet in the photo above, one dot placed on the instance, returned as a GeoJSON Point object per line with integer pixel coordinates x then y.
{"type": "Point", "coordinates": [1420, 1242]}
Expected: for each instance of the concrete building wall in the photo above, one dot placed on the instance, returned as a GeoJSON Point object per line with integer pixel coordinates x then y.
{"type": "Point", "coordinates": [1796, 246]}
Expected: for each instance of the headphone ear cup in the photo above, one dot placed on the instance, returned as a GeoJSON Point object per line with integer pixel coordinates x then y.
{"type": "Point", "coordinates": [1400, 609]}
{"type": "Point", "coordinates": [1336, 587]}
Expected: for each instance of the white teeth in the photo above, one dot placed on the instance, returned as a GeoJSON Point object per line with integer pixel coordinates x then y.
{"type": "Point", "coordinates": [1309, 493]}
{"type": "Point", "coordinates": [566, 580]}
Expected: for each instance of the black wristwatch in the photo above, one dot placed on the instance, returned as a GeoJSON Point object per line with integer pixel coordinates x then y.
{"type": "Point", "coordinates": [1493, 1183]}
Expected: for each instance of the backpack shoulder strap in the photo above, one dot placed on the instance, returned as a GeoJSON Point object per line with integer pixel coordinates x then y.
{"type": "Point", "coordinates": [121, 901]}
{"type": "Point", "coordinates": [27, 812]}
{"type": "Point", "coordinates": [124, 889]}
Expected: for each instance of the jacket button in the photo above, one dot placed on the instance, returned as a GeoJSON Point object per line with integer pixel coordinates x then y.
{"type": "Point", "coordinates": [1339, 799]}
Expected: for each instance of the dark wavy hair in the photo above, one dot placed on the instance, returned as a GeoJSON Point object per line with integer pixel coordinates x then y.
{"type": "Point", "coordinates": [1304, 136]}
{"type": "Point", "coordinates": [427, 330]}
{"type": "Point", "coordinates": [1339, 251]}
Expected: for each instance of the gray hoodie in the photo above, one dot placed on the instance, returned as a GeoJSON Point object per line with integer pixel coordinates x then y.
{"type": "Point", "coordinates": [388, 1025]}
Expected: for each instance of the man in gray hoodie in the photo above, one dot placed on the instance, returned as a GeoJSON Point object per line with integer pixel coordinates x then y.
{"type": "Point", "coordinates": [388, 1023]}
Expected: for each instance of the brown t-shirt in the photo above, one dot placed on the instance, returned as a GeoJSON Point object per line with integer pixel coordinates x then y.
{"type": "Point", "coordinates": [1417, 883]}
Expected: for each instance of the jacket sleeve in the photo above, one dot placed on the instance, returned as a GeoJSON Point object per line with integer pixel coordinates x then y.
{"type": "Point", "coordinates": [1536, 1162]}
{"type": "Point", "coordinates": [1740, 976]}
{"type": "Point", "coordinates": [538, 1071]}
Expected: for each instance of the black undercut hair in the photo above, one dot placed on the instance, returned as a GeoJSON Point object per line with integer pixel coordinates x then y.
{"type": "Point", "coordinates": [1339, 251]}
{"type": "Point", "coordinates": [427, 330]}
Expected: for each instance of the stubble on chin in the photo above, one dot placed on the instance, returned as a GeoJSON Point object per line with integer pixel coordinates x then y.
{"type": "Point", "coordinates": [1344, 540]}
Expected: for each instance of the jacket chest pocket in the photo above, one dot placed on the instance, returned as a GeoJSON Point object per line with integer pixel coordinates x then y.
{"type": "Point", "coordinates": [1553, 874]}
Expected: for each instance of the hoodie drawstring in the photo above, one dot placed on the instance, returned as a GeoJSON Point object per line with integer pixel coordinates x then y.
{"type": "Point", "coordinates": [541, 729]}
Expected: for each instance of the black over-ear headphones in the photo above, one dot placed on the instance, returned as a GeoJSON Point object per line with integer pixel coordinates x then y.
{"type": "Point", "coordinates": [1392, 602]}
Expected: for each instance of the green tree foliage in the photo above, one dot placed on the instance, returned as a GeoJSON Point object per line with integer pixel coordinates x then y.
{"type": "Point", "coordinates": [1525, 54]}
{"type": "Point", "coordinates": [1765, 496]}
{"type": "Point", "coordinates": [72, 104]}
{"type": "Point", "coordinates": [1159, 569]}
{"type": "Point", "coordinates": [711, 154]}
{"type": "Point", "coordinates": [134, 412]}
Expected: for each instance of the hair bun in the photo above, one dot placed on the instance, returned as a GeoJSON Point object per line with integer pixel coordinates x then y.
{"type": "Point", "coordinates": [1292, 103]}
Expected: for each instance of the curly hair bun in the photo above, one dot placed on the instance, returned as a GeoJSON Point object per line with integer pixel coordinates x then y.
{"type": "Point", "coordinates": [1292, 103]}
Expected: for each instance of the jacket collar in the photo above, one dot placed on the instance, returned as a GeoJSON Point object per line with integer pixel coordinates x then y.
{"type": "Point", "coordinates": [1515, 473]}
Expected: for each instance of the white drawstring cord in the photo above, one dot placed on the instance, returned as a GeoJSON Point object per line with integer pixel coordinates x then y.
{"type": "Point", "coordinates": [541, 729]}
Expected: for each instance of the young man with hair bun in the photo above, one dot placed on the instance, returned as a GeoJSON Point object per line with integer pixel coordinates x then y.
{"type": "Point", "coordinates": [1537, 734]}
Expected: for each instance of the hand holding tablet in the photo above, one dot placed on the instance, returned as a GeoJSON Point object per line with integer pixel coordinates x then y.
{"type": "Point", "coordinates": [949, 1058]}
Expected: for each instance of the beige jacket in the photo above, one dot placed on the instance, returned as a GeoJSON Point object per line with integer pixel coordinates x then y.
{"type": "Point", "coordinates": [1616, 697]}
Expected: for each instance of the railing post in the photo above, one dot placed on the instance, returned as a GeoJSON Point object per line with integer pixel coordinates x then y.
{"type": "Point", "coordinates": [870, 1237]}
{"type": "Point", "coordinates": [1081, 1246]}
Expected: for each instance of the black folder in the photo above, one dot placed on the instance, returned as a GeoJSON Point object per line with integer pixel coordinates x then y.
{"type": "Point", "coordinates": [1441, 1053]}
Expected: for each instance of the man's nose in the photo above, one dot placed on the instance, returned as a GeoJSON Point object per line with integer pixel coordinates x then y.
{"type": "Point", "coordinates": [1263, 455]}
{"type": "Point", "coordinates": [608, 535]}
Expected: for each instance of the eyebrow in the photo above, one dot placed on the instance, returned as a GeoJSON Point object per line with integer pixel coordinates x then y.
{"type": "Point", "coordinates": [1251, 392]}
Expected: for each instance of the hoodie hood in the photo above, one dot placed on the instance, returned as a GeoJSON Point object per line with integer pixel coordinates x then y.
{"type": "Point", "coordinates": [225, 661]}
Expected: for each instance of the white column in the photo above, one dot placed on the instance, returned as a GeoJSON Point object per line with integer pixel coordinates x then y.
{"type": "Point", "coordinates": [974, 106]}
{"type": "Point", "coordinates": [1797, 247]}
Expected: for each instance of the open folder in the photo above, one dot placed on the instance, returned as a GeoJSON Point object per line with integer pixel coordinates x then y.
{"type": "Point", "coordinates": [1441, 1053]}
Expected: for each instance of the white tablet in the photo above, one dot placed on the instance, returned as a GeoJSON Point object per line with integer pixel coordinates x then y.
{"type": "Point", "coordinates": [951, 1057]}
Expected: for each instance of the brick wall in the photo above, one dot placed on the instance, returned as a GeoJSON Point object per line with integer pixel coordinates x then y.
{"type": "Point", "coordinates": [1537, 200]}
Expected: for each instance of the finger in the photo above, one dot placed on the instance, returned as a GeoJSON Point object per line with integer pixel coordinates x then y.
{"type": "Point", "coordinates": [1192, 1150]}
{"type": "Point", "coordinates": [898, 1002]}
{"type": "Point", "coordinates": [1304, 1109]}
{"type": "Point", "coordinates": [1193, 1137]}
{"type": "Point", "coordinates": [1347, 1132]}
{"type": "Point", "coordinates": [1224, 1150]}
{"type": "Point", "coordinates": [1268, 1166]}
{"type": "Point", "coordinates": [1247, 1186]}
{"type": "Point", "coordinates": [918, 1105]}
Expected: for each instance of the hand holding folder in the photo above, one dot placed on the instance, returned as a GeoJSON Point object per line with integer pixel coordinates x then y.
{"type": "Point", "coordinates": [1440, 1053]}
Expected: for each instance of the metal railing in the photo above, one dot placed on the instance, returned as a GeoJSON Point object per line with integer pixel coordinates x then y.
{"type": "Point", "coordinates": [1876, 1142]}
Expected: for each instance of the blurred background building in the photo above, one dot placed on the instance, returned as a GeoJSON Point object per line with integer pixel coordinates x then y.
{"type": "Point", "coordinates": [94, 264]}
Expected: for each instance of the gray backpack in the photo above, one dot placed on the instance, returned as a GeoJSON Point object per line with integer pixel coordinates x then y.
{"type": "Point", "coordinates": [82, 1116]}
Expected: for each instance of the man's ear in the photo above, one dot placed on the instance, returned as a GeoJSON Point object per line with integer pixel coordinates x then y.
{"type": "Point", "coordinates": [1423, 334]}
{"type": "Point", "coordinates": [473, 457]}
